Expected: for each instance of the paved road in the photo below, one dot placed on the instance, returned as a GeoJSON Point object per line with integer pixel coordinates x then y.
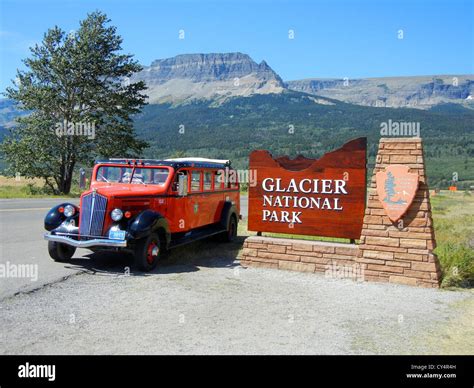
{"type": "Point", "coordinates": [21, 242]}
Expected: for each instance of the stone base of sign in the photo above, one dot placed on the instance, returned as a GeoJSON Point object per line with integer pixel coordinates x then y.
{"type": "Point", "coordinates": [396, 252]}
{"type": "Point", "coordinates": [402, 251]}
{"type": "Point", "coordinates": [298, 255]}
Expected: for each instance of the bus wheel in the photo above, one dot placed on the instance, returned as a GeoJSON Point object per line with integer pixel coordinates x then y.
{"type": "Point", "coordinates": [148, 252]}
{"type": "Point", "coordinates": [60, 252]}
{"type": "Point", "coordinates": [231, 233]}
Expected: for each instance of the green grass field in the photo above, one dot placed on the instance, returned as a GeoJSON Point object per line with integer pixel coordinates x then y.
{"type": "Point", "coordinates": [453, 217]}
{"type": "Point", "coordinates": [30, 188]}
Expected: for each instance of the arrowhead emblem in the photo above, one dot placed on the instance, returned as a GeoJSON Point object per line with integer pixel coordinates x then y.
{"type": "Point", "coordinates": [396, 188]}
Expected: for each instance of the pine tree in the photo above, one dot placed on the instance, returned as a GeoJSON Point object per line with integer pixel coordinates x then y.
{"type": "Point", "coordinates": [74, 78]}
{"type": "Point", "coordinates": [389, 187]}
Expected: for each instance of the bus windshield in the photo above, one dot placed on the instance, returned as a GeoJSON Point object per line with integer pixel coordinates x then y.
{"type": "Point", "coordinates": [144, 176]}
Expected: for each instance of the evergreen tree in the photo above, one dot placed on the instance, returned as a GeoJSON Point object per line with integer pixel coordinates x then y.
{"type": "Point", "coordinates": [74, 82]}
{"type": "Point", "coordinates": [389, 187]}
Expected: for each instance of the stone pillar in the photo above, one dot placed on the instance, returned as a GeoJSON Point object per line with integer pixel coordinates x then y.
{"type": "Point", "coordinates": [401, 251]}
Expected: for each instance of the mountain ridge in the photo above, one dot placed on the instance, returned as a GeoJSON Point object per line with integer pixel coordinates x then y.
{"type": "Point", "coordinates": [421, 92]}
{"type": "Point", "coordinates": [291, 123]}
{"type": "Point", "coordinates": [214, 76]}
{"type": "Point", "coordinates": [219, 76]}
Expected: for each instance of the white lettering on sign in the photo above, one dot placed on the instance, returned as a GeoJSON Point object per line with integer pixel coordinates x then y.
{"type": "Point", "coordinates": [284, 216]}
{"type": "Point", "coordinates": [304, 186]}
{"type": "Point", "coordinates": [307, 186]}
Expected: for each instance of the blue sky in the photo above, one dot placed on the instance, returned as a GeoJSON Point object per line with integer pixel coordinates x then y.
{"type": "Point", "coordinates": [331, 38]}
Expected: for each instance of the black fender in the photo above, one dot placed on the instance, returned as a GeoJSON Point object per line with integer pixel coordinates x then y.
{"type": "Point", "coordinates": [146, 222]}
{"type": "Point", "coordinates": [54, 217]}
{"type": "Point", "coordinates": [228, 210]}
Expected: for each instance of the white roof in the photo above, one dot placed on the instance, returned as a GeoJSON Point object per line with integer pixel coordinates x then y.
{"type": "Point", "coordinates": [205, 160]}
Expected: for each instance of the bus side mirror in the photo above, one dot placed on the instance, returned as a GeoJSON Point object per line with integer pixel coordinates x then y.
{"type": "Point", "coordinates": [182, 185]}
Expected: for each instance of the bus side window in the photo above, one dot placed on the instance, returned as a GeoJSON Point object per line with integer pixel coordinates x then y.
{"type": "Point", "coordinates": [234, 181]}
{"type": "Point", "coordinates": [217, 181]}
{"type": "Point", "coordinates": [207, 180]}
{"type": "Point", "coordinates": [235, 185]}
{"type": "Point", "coordinates": [175, 186]}
{"type": "Point", "coordinates": [196, 181]}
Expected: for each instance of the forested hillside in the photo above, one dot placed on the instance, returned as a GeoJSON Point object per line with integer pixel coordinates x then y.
{"type": "Point", "coordinates": [292, 123]}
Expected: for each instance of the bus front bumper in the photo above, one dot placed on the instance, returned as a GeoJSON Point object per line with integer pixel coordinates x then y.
{"type": "Point", "coordinates": [98, 242]}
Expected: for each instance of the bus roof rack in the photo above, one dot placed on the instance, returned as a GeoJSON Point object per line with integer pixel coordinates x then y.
{"type": "Point", "coordinates": [176, 162]}
{"type": "Point", "coordinates": [200, 160]}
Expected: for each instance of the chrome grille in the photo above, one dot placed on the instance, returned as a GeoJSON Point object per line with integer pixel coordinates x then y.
{"type": "Point", "coordinates": [93, 208]}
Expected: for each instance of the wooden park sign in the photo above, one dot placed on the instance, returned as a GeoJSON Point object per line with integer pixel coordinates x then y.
{"type": "Point", "coordinates": [319, 197]}
{"type": "Point", "coordinates": [326, 197]}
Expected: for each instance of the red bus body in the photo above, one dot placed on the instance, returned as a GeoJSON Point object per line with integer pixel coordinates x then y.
{"type": "Point", "coordinates": [174, 201]}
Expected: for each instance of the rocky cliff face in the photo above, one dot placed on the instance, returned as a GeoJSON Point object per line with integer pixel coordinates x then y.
{"type": "Point", "coordinates": [208, 76]}
{"type": "Point", "coordinates": [210, 67]}
{"type": "Point", "coordinates": [414, 92]}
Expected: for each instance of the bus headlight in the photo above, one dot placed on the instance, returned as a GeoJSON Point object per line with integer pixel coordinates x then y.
{"type": "Point", "coordinates": [69, 210]}
{"type": "Point", "coordinates": [116, 214]}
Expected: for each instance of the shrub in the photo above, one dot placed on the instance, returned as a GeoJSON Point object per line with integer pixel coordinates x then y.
{"type": "Point", "coordinates": [457, 263]}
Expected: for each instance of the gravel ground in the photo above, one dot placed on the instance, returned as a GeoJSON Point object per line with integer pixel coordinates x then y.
{"type": "Point", "coordinates": [197, 305]}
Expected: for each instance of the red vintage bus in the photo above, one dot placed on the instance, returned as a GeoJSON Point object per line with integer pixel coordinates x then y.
{"type": "Point", "coordinates": [148, 207]}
